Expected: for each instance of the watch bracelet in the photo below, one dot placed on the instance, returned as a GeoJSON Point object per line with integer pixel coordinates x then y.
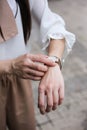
{"type": "Point", "coordinates": [58, 62]}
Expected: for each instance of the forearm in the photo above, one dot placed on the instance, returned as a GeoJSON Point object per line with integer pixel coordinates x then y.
{"type": "Point", "coordinates": [56, 48]}
{"type": "Point", "coordinates": [52, 83]}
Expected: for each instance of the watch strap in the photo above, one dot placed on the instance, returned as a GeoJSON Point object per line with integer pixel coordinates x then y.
{"type": "Point", "coordinates": [57, 60]}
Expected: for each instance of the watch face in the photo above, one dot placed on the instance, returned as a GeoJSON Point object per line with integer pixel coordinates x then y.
{"type": "Point", "coordinates": [53, 58]}
{"type": "Point", "coordinates": [56, 60]}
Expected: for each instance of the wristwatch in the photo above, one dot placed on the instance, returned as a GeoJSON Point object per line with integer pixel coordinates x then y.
{"type": "Point", "coordinates": [56, 60]}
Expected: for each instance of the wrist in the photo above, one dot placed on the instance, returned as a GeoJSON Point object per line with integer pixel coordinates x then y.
{"type": "Point", "coordinates": [57, 60]}
{"type": "Point", "coordinates": [6, 67]}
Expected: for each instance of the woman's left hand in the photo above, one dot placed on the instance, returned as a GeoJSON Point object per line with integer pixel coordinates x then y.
{"type": "Point", "coordinates": [51, 90]}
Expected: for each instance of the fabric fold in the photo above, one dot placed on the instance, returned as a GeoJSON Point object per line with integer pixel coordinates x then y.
{"type": "Point", "coordinates": [53, 27]}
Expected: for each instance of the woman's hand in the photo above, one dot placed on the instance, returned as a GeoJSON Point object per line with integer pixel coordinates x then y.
{"type": "Point", "coordinates": [31, 66]}
{"type": "Point", "coordinates": [51, 90]}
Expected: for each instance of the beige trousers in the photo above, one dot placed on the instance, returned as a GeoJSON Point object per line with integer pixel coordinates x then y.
{"type": "Point", "coordinates": [16, 104]}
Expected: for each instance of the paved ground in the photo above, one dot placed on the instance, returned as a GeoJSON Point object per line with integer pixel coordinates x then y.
{"type": "Point", "coordinates": [72, 115]}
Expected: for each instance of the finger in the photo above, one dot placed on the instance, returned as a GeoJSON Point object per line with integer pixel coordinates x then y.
{"type": "Point", "coordinates": [61, 95]}
{"type": "Point", "coordinates": [55, 99]}
{"type": "Point", "coordinates": [33, 56]}
{"type": "Point", "coordinates": [35, 78]}
{"type": "Point", "coordinates": [38, 67]}
{"type": "Point", "coordinates": [42, 59]}
{"type": "Point", "coordinates": [41, 101]}
{"type": "Point", "coordinates": [49, 101]}
{"type": "Point", "coordinates": [34, 72]}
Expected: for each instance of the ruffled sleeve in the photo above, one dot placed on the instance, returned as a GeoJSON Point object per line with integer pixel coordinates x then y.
{"type": "Point", "coordinates": [52, 26]}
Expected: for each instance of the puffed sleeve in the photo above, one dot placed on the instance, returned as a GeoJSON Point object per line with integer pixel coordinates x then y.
{"type": "Point", "coordinates": [52, 26]}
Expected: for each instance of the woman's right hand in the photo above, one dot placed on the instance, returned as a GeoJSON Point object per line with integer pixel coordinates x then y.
{"type": "Point", "coordinates": [29, 66]}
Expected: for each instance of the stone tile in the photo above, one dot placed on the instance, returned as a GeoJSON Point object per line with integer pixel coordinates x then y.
{"type": "Point", "coordinates": [41, 119]}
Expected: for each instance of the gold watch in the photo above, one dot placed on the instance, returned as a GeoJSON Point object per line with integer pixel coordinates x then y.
{"type": "Point", "coordinates": [56, 60]}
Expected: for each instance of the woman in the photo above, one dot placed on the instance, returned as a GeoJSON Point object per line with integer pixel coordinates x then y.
{"type": "Point", "coordinates": [18, 67]}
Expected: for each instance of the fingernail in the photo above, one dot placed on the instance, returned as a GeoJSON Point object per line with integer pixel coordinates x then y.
{"type": "Point", "coordinates": [54, 108]}
{"type": "Point", "coordinates": [60, 102]}
{"type": "Point", "coordinates": [42, 112]}
{"type": "Point", "coordinates": [48, 109]}
{"type": "Point", "coordinates": [53, 63]}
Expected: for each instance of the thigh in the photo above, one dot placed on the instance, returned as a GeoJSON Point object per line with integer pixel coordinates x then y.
{"type": "Point", "coordinates": [3, 99]}
{"type": "Point", "coordinates": [20, 110]}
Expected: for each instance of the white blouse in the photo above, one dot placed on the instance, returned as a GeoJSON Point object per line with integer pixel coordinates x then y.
{"type": "Point", "coordinates": [51, 26]}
